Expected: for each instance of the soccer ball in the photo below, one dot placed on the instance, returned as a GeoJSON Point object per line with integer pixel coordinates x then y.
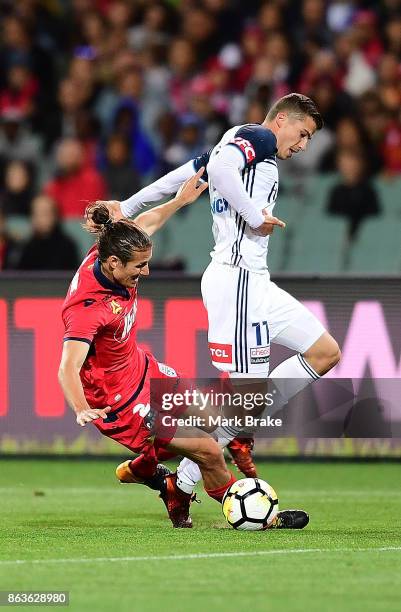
{"type": "Point", "coordinates": [250, 504]}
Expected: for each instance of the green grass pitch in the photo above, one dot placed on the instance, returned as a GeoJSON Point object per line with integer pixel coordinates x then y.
{"type": "Point", "coordinates": [75, 528]}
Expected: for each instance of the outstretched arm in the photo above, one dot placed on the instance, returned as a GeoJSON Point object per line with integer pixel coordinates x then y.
{"type": "Point", "coordinates": [164, 186]}
{"type": "Point", "coordinates": [152, 220]}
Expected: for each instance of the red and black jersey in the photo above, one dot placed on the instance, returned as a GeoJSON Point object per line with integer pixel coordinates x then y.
{"type": "Point", "coordinates": [103, 314]}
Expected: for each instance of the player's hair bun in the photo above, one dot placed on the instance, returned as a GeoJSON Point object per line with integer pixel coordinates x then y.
{"type": "Point", "coordinates": [97, 217]}
{"type": "Point", "coordinates": [100, 215]}
{"type": "Point", "coordinates": [119, 238]}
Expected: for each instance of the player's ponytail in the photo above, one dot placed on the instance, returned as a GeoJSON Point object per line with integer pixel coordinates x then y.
{"type": "Point", "coordinates": [119, 238]}
{"type": "Point", "coordinates": [97, 217]}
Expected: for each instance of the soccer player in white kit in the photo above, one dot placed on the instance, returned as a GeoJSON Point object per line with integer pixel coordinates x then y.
{"type": "Point", "coordinates": [246, 310]}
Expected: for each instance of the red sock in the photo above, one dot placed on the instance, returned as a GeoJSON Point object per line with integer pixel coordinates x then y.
{"type": "Point", "coordinates": [164, 455]}
{"type": "Point", "coordinates": [218, 494]}
{"type": "Point", "coordinates": [144, 466]}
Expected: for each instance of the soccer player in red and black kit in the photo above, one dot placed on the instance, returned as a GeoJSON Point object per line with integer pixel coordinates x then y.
{"type": "Point", "coordinates": [106, 376]}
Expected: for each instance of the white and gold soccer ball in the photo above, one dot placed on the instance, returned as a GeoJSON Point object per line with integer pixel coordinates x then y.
{"type": "Point", "coordinates": [250, 504]}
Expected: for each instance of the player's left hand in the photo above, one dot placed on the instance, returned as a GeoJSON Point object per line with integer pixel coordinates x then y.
{"type": "Point", "coordinates": [191, 189]}
{"type": "Point", "coordinates": [269, 224]}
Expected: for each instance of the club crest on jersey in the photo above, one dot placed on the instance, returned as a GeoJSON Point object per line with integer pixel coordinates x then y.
{"type": "Point", "coordinates": [221, 353]}
{"type": "Point", "coordinates": [115, 307]}
{"type": "Point", "coordinates": [246, 147]}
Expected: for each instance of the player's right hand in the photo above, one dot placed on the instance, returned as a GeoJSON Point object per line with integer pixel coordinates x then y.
{"type": "Point", "coordinates": [91, 414]}
{"type": "Point", "coordinates": [267, 227]}
{"type": "Point", "coordinates": [191, 189]}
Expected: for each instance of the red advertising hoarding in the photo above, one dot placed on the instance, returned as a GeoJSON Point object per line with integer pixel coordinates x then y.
{"type": "Point", "coordinates": [363, 314]}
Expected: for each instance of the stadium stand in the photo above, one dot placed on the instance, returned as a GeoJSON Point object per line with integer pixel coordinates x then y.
{"type": "Point", "coordinates": [162, 81]}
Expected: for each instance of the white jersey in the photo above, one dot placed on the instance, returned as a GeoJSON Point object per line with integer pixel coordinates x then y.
{"type": "Point", "coordinates": [235, 242]}
{"type": "Point", "coordinates": [246, 311]}
{"type": "Point", "coordinates": [250, 185]}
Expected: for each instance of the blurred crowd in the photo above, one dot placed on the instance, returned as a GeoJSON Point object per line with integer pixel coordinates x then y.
{"type": "Point", "coordinates": [98, 97]}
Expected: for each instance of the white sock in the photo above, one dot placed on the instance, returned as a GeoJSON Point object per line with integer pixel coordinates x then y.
{"type": "Point", "coordinates": [188, 474]}
{"type": "Point", "coordinates": [225, 433]}
{"type": "Point", "coordinates": [290, 377]}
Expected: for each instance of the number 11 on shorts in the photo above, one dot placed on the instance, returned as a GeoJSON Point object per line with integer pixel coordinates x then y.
{"type": "Point", "coordinates": [259, 331]}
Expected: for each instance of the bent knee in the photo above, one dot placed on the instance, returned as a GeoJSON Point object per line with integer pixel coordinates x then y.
{"type": "Point", "coordinates": [324, 354]}
{"type": "Point", "coordinates": [335, 358]}
{"type": "Point", "coordinates": [332, 355]}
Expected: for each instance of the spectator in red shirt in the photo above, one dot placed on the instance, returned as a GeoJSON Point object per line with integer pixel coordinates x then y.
{"type": "Point", "coordinates": [366, 36]}
{"type": "Point", "coordinates": [74, 184]}
{"type": "Point", "coordinates": [391, 148]}
{"type": "Point", "coordinates": [20, 93]}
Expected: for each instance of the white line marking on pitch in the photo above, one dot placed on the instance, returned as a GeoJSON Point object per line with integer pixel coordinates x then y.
{"type": "Point", "coordinates": [258, 553]}
{"type": "Point", "coordinates": [121, 488]}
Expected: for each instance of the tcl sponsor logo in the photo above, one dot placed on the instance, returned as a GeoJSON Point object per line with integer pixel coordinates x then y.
{"type": "Point", "coordinates": [246, 148]}
{"type": "Point", "coordinates": [221, 353]}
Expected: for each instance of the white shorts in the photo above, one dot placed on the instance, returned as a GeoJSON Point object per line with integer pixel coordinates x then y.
{"type": "Point", "coordinates": [246, 312]}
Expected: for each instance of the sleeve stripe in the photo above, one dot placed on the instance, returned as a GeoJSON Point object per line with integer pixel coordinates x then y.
{"type": "Point", "coordinates": [78, 339]}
